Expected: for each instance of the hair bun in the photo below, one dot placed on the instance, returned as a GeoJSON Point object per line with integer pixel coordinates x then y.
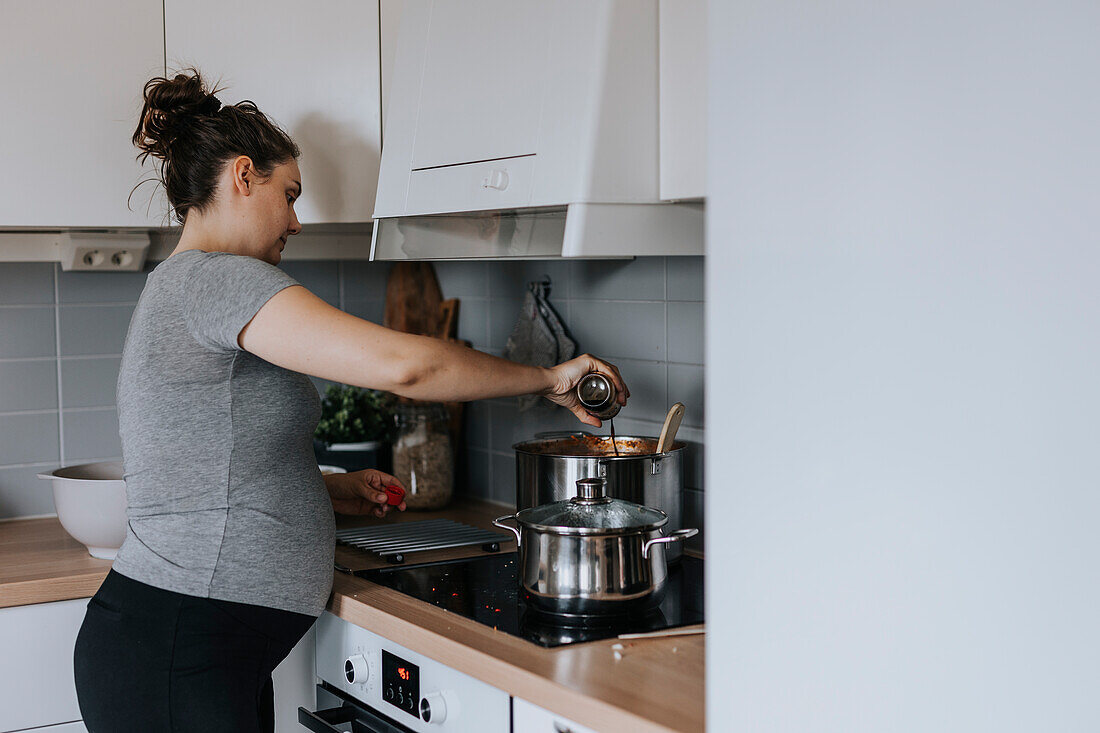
{"type": "Point", "coordinates": [170, 106]}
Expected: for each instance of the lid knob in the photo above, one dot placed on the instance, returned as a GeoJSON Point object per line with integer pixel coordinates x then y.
{"type": "Point", "coordinates": [592, 489]}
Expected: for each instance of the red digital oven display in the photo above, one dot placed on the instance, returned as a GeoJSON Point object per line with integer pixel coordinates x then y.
{"type": "Point", "coordinates": [401, 683]}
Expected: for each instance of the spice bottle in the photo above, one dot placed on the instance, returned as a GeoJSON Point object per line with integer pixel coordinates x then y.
{"type": "Point", "coordinates": [423, 459]}
{"type": "Point", "coordinates": [597, 395]}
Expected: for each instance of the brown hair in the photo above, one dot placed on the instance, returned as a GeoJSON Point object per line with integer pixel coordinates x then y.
{"type": "Point", "coordinates": [194, 136]}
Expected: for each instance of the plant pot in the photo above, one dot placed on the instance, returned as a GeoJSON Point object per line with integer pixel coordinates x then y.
{"type": "Point", "coordinates": [354, 456]}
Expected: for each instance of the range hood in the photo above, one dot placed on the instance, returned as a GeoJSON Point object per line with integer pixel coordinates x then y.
{"type": "Point", "coordinates": [526, 129]}
{"type": "Point", "coordinates": [577, 230]}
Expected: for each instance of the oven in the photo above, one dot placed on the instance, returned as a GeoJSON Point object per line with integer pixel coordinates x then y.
{"type": "Point", "coordinates": [371, 685]}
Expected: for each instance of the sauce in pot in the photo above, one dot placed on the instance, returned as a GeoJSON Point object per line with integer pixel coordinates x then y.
{"type": "Point", "coordinates": [593, 446]}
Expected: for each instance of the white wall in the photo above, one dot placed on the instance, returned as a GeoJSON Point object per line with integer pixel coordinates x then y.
{"type": "Point", "coordinates": [903, 335]}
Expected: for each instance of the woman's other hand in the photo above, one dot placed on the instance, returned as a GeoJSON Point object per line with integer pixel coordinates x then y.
{"type": "Point", "coordinates": [362, 492]}
{"type": "Point", "coordinates": [567, 375]}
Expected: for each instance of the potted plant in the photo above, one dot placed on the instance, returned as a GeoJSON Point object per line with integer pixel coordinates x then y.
{"type": "Point", "coordinates": [356, 428]}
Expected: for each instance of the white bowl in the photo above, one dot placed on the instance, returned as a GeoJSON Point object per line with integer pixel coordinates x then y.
{"type": "Point", "coordinates": [91, 505]}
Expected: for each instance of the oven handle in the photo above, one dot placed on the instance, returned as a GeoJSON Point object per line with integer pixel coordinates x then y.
{"type": "Point", "coordinates": [325, 721]}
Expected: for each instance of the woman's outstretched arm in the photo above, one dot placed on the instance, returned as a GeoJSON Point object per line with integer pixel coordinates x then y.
{"type": "Point", "coordinates": [299, 331]}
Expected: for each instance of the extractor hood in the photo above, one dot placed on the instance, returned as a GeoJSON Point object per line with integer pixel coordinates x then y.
{"type": "Point", "coordinates": [521, 128]}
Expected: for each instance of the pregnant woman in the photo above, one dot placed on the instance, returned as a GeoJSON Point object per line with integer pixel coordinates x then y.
{"type": "Point", "coordinates": [228, 556]}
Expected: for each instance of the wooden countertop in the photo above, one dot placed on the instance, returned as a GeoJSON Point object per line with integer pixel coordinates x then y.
{"type": "Point", "coordinates": [40, 563]}
{"type": "Point", "coordinates": [657, 685]}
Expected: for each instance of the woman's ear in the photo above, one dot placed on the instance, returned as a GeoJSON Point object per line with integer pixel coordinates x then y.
{"type": "Point", "coordinates": [244, 174]}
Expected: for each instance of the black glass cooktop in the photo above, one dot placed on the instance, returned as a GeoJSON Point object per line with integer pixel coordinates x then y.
{"type": "Point", "coordinates": [486, 590]}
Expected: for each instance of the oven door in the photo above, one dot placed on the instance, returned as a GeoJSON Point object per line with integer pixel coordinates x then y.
{"type": "Point", "coordinates": [340, 713]}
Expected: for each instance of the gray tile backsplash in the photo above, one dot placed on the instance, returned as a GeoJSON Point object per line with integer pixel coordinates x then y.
{"type": "Point", "coordinates": [371, 310]}
{"type": "Point", "coordinates": [620, 329]}
{"type": "Point", "coordinates": [29, 437]}
{"type": "Point", "coordinates": [28, 385]}
{"type": "Point", "coordinates": [99, 287]}
{"type": "Point", "coordinates": [26, 283]}
{"type": "Point", "coordinates": [93, 329]}
{"type": "Point", "coordinates": [57, 388]}
{"type": "Point", "coordinates": [23, 494]}
{"type": "Point", "coordinates": [27, 332]}
{"type": "Point", "coordinates": [57, 385]}
{"type": "Point", "coordinates": [320, 278]}
{"type": "Point", "coordinates": [89, 381]}
{"type": "Point", "coordinates": [685, 332]}
{"type": "Point", "coordinates": [685, 278]}
{"type": "Point", "coordinates": [685, 384]}
{"type": "Point", "coordinates": [463, 279]}
{"type": "Point", "coordinates": [502, 319]}
{"type": "Point", "coordinates": [91, 434]}
{"type": "Point", "coordinates": [640, 279]}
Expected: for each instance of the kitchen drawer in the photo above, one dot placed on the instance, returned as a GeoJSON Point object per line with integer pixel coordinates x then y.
{"type": "Point", "coordinates": [36, 667]}
{"type": "Point", "coordinates": [489, 185]}
{"type": "Point", "coordinates": [531, 718]}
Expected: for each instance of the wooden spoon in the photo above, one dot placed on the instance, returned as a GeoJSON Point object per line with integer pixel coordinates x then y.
{"type": "Point", "coordinates": [672, 424]}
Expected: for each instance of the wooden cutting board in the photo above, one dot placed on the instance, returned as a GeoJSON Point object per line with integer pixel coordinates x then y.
{"type": "Point", "coordinates": [413, 299]}
{"type": "Point", "coordinates": [415, 304]}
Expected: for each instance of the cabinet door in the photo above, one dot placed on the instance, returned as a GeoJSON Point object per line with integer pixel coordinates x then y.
{"type": "Point", "coordinates": [73, 78]}
{"type": "Point", "coordinates": [295, 682]}
{"type": "Point", "coordinates": [530, 718]}
{"type": "Point", "coordinates": [311, 67]}
{"type": "Point", "coordinates": [481, 82]}
{"type": "Point", "coordinates": [36, 664]}
{"type": "Point", "coordinates": [683, 30]}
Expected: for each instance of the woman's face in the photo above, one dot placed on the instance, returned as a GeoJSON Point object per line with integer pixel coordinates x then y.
{"type": "Point", "coordinates": [273, 208]}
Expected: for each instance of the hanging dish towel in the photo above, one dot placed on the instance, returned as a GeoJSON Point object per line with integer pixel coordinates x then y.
{"type": "Point", "coordinates": [539, 337]}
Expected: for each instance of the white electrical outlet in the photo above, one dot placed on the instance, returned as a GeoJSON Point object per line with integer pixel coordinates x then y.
{"type": "Point", "coordinates": [104, 251]}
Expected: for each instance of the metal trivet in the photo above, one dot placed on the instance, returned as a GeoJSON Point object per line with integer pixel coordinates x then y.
{"type": "Point", "coordinates": [394, 541]}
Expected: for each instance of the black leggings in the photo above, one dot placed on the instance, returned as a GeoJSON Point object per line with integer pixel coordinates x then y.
{"type": "Point", "coordinates": [149, 659]}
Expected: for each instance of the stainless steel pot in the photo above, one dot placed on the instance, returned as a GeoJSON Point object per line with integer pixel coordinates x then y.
{"type": "Point", "coordinates": [592, 554]}
{"type": "Point", "coordinates": [548, 468]}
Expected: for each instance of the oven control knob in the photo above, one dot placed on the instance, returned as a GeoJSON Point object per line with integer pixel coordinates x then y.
{"type": "Point", "coordinates": [356, 670]}
{"type": "Point", "coordinates": [433, 708]}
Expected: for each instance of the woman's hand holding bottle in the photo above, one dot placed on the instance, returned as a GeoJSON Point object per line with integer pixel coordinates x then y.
{"type": "Point", "coordinates": [567, 375]}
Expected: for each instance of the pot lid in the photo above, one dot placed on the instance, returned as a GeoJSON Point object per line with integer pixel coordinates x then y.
{"type": "Point", "coordinates": [591, 511]}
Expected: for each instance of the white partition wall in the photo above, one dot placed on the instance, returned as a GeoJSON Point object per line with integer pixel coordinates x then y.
{"type": "Point", "coordinates": [903, 278]}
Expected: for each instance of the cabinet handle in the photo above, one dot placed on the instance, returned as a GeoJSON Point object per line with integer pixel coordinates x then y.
{"type": "Point", "coordinates": [559, 728]}
{"type": "Point", "coordinates": [497, 179]}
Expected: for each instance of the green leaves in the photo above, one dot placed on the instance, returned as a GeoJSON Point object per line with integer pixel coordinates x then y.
{"type": "Point", "coordinates": [354, 415]}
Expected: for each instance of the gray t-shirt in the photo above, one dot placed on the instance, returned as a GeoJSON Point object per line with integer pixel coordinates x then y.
{"type": "Point", "coordinates": [225, 497]}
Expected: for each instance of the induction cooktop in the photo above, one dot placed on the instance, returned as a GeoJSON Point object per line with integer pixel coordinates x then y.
{"type": "Point", "coordinates": [485, 589]}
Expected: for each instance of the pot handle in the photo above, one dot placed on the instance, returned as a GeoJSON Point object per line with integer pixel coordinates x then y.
{"type": "Point", "coordinates": [499, 522]}
{"type": "Point", "coordinates": [678, 536]}
{"type": "Point", "coordinates": [564, 434]}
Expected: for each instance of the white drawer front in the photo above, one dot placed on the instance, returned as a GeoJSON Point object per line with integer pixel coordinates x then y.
{"type": "Point", "coordinates": [530, 718]}
{"type": "Point", "coordinates": [36, 666]}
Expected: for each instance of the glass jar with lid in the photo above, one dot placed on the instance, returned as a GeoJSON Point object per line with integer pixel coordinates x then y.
{"type": "Point", "coordinates": [423, 459]}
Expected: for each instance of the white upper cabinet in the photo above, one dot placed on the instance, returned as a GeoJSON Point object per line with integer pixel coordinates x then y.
{"type": "Point", "coordinates": [683, 98]}
{"type": "Point", "coordinates": [314, 68]}
{"type": "Point", "coordinates": [480, 87]}
{"type": "Point", "coordinates": [72, 91]}
{"type": "Point", "coordinates": [496, 104]}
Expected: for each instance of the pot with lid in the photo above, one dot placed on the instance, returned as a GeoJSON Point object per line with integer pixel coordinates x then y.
{"type": "Point", "coordinates": [548, 468]}
{"type": "Point", "coordinates": [592, 554]}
